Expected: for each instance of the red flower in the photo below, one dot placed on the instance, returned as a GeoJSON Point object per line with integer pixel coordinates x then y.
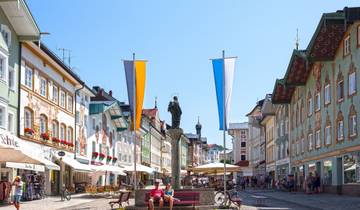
{"type": "Point", "coordinates": [56, 140]}
{"type": "Point", "coordinates": [71, 144]}
{"type": "Point", "coordinates": [114, 159]}
{"type": "Point", "coordinates": [62, 142]}
{"type": "Point", "coordinates": [101, 156]}
{"type": "Point", "coordinates": [45, 136]}
{"type": "Point", "coordinates": [108, 158]}
{"type": "Point", "coordinates": [95, 154]}
{"type": "Point", "coordinates": [29, 131]}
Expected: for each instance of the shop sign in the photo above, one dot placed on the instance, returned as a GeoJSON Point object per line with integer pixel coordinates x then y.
{"type": "Point", "coordinates": [61, 153]}
{"type": "Point", "coordinates": [9, 140]}
{"type": "Point", "coordinates": [26, 166]}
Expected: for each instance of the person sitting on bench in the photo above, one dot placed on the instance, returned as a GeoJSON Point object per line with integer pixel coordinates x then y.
{"type": "Point", "coordinates": [169, 195]}
{"type": "Point", "coordinates": [156, 195]}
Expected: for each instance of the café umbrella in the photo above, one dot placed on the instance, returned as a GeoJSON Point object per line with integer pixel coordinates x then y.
{"type": "Point", "coordinates": [215, 168]}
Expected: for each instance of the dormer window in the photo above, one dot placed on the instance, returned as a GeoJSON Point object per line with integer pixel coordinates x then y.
{"type": "Point", "coordinates": [6, 33]}
{"type": "Point", "coordinates": [347, 45]}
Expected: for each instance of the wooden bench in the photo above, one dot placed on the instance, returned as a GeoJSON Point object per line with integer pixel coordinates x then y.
{"type": "Point", "coordinates": [123, 198]}
{"type": "Point", "coordinates": [184, 198]}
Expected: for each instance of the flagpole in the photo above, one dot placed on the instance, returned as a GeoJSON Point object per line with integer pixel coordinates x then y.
{"type": "Point", "coordinates": [224, 123]}
{"type": "Point", "coordinates": [134, 121]}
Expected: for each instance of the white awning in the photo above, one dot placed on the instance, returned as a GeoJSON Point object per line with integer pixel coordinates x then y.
{"type": "Point", "coordinates": [139, 168]}
{"type": "Point", "coordinates": [26, 166]}
{"type": "Point", "coordinates": [36, 153]}
{"type": "Point", "coordinates": [112, 169]}
{"type": "Point", "coordinates": [74, 164]}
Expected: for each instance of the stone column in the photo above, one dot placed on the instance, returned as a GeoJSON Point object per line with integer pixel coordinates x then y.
{"type": "Point", "coordinates": [175, 135]}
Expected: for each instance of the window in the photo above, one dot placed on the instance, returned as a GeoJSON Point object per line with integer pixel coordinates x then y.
{"type": "Point", "coordinates": [70, 103]}
{"type": "Point", "coordinates": [11, 78]}
{"type": "Point", "coordinates": [43, 124]}
{"type": "Point", "coordinates": [347, 45]}
{"type": "Point", "coordinates": [317, 139]}
{"type": "Point", "coordinates": [10, 122]}
{"type": "Point", "coordinates": [55, 94]}
{"type": "Point", "coordinates": [2, 116]}
{"type": "Point", "coordinates": [352, 125]}
{"type": "Point", "coordinates": [28, 77]}
{"type": "Point", "coordinates": [327, 94]}
{"type": "Point", "coordinates": [28, 118]}
{"type": "Point", "coordinates": [302, 145]}
{"type": "Point", "coordinates": [243, 144]}
{"type": "Point", "coordinates": [310, 106]}
{"type": "Point", "coordinates": [340, 130]}
{"type": "Point", "coordinates": [3, 67]}
{"type": "Point", "coordinates": [317, 102]}
{"type": "Point", "coordinates": [281, 128]}
{"type": "Point", "coordinates": [43, 86]}
{"type": "Point", "coordinates": [352, 83]}
{"type": "Point", "coordinates": [62, 98]}
{"type": "Point", "coordinates": [93, 123]}
{"type": "Point", "coordinates": [328, 135]}
{"type": "Point", "coordinates": [55, 129]}
{"type": "Point", "coordinates": [85, 120]}
{"type": "Point", "coordinates": [340, 90]}
{"type": "Point", "coordinates": [358, 35]}
{"type": "Point", "coordinates": [93, 144]}
{"type": "Point", "coordinates": [243, 157]}
{"type": "Point", "coordinates": [351, 168]}
{"type": "Point", "coordinates": [69, 134]}
{"type": "Point", "coordinates": [311, 141]}
{"type": "Point", "coordinates": [6, 33]}
{"type": "Point", "coordinates": [62, 132]}
{"type": "Point", "coordinates": [87, 98]}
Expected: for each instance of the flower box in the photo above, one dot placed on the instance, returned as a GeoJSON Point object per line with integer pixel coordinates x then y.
{"type": "Point", "coordinates": [101, 156]}
{"type": "Point", "coordinates": [29, 131]}
{"type": "Point", "coordinates": [114, 159]}
{"type": "Point", "coordinates": [63, 142]}
{"type": "Point", "coordinates": [45, 136]}
{"type": "Point", "coordinates": [108, 158]}
{"type": "Point", "coordinates": [95, 154]}
{"type": "Point", "coordinates": [55, 140]}
{"type": "Point", "coordinates": [70, 144]}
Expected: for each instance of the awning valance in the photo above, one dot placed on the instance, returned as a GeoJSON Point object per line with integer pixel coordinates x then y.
{"type": "Point", "coordinates": [109, 168]}
{"type": "Point", "coordinates": [74, 163]}
{"type": "Point", "coordinates": [139, 168]}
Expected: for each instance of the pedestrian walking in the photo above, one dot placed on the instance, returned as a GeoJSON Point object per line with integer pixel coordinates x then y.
{"type": "Point", "coordinates": [18, 192]}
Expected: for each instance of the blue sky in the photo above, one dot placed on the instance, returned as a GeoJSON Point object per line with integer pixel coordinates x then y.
{"type": "Point", "coordinates": [178, 38]}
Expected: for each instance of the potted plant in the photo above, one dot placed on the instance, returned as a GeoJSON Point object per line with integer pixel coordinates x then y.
{"type": "Point", "coordinates": [29, 131]}
{"type": "Point", "coordinates": [63, 142]}
{"type": "Point", "coordinates": [114, 159]}
{"type": "Point", "coordinates": [55, 140]}
{"type": "Point", "coordinates": [108, 158]}
{"type": "Point", "coordinates": [101, 156]}
{"type": "Point", "coordinates": [45, 136]}
{"type": "Point", "coordinates": [70, 144]}
{"type": "Point", "coordinates": [95, 155]}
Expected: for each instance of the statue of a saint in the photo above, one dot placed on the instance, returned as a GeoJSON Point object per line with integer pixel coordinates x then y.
{"type": "Point", "coordinates": [175, 110]}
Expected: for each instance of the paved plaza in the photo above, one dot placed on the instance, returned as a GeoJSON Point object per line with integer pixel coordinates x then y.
{"type": "Point", "coordinates": [274, 200]}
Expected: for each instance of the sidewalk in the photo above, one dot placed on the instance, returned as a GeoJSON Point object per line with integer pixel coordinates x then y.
{"type": "Point", "coordinates": [53, 202]}
{"type": "Point", "coordinates": [320, 201]}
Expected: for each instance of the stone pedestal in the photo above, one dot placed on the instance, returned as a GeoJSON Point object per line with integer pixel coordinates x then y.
{"type": "Point", "coordinates": [175, 135]}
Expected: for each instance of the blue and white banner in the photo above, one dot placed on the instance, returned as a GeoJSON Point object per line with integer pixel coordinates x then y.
{"type": "Point", "coordinates": [224, 77]}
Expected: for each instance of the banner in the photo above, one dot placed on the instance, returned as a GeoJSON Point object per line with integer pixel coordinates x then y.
{"type": "Point", "coordinates": [224, 77]}
{"type": "Point", "coordinates": [139, 72]}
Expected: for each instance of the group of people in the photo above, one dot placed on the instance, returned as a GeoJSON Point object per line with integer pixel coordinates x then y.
{"type": "Point", "coordinates": [312, 183]}
{"type": "Point", "coordinates": [158, 195]}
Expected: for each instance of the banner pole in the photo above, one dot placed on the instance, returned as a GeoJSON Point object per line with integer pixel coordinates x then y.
{"type": "Point", "coordinates": [134, 121]}
{"type": "Point", "coordinates": [224, 123]}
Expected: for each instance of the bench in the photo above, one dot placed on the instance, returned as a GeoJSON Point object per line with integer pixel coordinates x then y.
{"type": "Point", "coordinates": [184, 198]}
{"type": "Point", "coordinates": [259, 200]}
{"type": "Point", "coordinates": [123, 197]}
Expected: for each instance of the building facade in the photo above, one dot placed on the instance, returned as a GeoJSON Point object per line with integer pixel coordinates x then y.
{"type": "Point", "coordinates": [320, 86]}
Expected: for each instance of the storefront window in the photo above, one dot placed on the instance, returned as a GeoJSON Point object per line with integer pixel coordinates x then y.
{"type": "Point", "coordinates": [351, 169]}
{"type": "Point", "coordinates": [327, 172]}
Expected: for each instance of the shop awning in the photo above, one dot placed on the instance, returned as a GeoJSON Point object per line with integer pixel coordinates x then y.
{"type": "Point", "coordinates": [26, 166]}
{"type": "Point", "coordinates": [74, 164]}
{"type": "Point", "coordinates": [139, 168]}
{"type": "Point", "coordinates": [109, 168]}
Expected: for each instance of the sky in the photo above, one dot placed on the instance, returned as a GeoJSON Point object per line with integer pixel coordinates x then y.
{"type": "Point", "coordinates": [178, 38]}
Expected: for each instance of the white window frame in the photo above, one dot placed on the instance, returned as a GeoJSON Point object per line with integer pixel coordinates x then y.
{"type": "Point", "coordinates": [10, 125]}
{"type": "Point", "coordinates": [317, 139]}
{"type": "Point", "coordinates": [358, 35]}
{"type": "Point", "coordinates": [62, 132]}
{"type": "Point", "coordinates": [55, 97]}
{"type": "Point", "coordinates": [55, 129]}
{"type": "Point", "coordinates": [317, 101]}
{"type": "Point", "coordinates": [340, 130]}
{"type": "Point", "coordinates": [69, 134]}
{"type": "Point", "coordinates": [340, 97]}
{"type": "Point", "coordinates": [42, 124]}
{"type": "Point", "coordinates": [6, 29]}
{"type": "Point", "coordinates": [4, 76]}
{"type": "Point", "coordinates": [302, 145]}
{"type": "Point", "coordinates": [352, 126]}
{"type": "Point", "coordinates": [62, 99]}
{"type": "Point", "coordinates": [327, 95]}
{"type": "Point", "coordinates": [347, 45]}
{"type": "Point", "coordinates": [311, 141]}
{"type": "Point", "coordinates": [70, 101]}
{"type": "Point", "coordinates": [29, 124]}
{"type": "Point", "coordinates": [93, 122]}
{"type": "Point", "coordinates": [310, 106]}
{"type": "Point", "coordinates": [4, 117]}
{"type": "Point", "coordinates": [11, 78]}
{"type": "Point", "coordinates": [43, 86]}
{"type": "Point", "coordinates": [328, 135]}
{"type": "Point", "coordinates": [352, 83]}
{"type": "Point", "coordinates": [29, 81]}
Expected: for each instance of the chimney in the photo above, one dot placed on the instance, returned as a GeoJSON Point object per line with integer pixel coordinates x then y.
{"type": "Point", "coordinates": [110, 93]}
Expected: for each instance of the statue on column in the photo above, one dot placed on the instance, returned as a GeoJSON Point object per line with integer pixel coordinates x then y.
{"type": "Point", "coordinates": [175, 110]}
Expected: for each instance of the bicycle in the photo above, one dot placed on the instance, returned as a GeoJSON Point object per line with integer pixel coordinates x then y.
{"type": "Point", "coordinates": [65, 195]}
{"type": "Point", "coordinates": [232, 197]}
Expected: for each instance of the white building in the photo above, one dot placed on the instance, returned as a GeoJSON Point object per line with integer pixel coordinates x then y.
{"type": "Point", "coordinates": [213, 154]}
{"type": "Point", "coordinates": [240, 134]}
